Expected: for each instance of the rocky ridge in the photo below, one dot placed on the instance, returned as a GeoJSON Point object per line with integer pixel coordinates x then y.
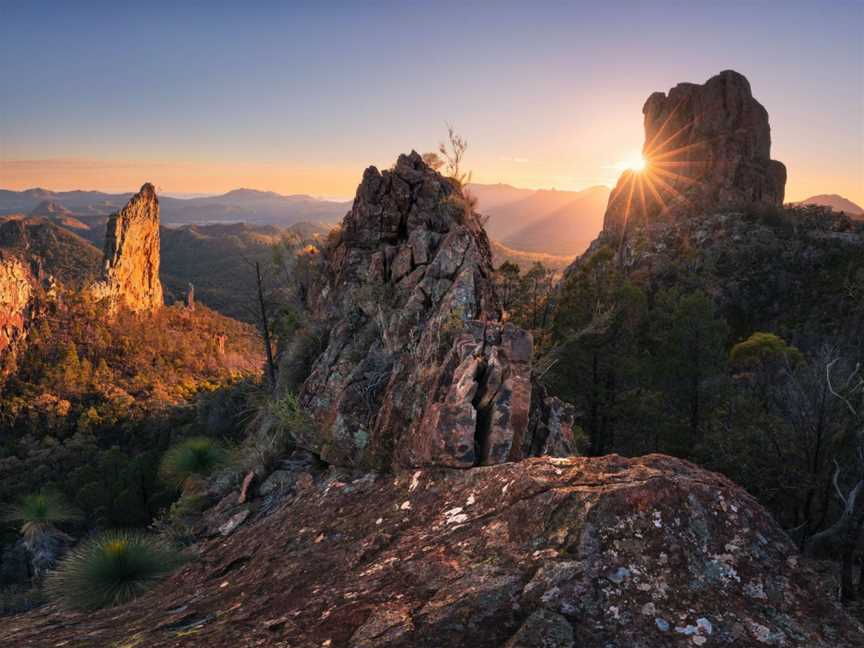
{"type": "Point", "coordinates": [130, 275]}
{"type": "Point", "coordinates": [579, 552]}
{"type": "Point", "coordinates": [418, 369]}
{"type": "Point", "coordinates": [707, 147]}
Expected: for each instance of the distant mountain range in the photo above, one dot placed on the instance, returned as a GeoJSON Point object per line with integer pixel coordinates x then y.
{"type": "Point", "coordinates": [835, 202]}
{"type": "Point", "coordinates": [547, 221]}
{"type": "Point", "coordinates": [536, 222]}
{"type": "Point", "coordinates": [558, 223]}
{"type": "Point", "coordinates": [240, 205]}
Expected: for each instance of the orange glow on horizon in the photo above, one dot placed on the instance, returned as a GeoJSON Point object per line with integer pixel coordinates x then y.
{"type": "Point", "coordinates": [340, 182]}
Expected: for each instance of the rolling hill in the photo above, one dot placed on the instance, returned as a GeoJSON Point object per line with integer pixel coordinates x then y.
{"type": "Point", "coordinates": [835, 202]}
{"type": "Point", "coordinates": [546, 221]}
{"type": "Point", "coordinates": [55, 249]}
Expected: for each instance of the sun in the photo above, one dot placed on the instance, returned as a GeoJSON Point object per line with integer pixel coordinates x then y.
{"type": "Point", "coordinates": [636, 163]}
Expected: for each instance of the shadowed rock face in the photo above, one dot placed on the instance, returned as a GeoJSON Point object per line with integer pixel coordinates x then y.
{"type": "Point", "coordinates": [707, 146]}
{"type": "Point", "coordinates": [418, 371]}
{"type": "Point", "coordinates": [580, 552]}
{"type": "Point", "coordinates": [16, 302]}
{"type": "Point", "coordinates": [130, 276]}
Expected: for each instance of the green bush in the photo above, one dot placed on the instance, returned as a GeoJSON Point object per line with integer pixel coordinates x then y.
{"type": "Point", "coordinates": [39, 513]}
{"type": "Point", "coordinates": [110, 569]}
{"type": "Point", "coordinates": [763, 348]}
{"type": "Point", "coordinates": [195, 457]}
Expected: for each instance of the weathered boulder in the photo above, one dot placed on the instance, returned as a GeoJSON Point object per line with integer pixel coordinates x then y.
{"type": "Point", "coordinates": [16, 303]}
{"type": "Point", "coordinates": [590, 552]}
{"type": "Point", "coordinates": [45, 549]}
{"type": "Point", "coordinates": [707, 146]}
{"type": "Point", "coordinates": [418, 370]}
{"type": "Point", "coordinates": [130, 274]}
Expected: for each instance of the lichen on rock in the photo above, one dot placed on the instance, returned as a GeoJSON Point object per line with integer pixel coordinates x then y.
{"type": "Point", "coordinates": [706, 147]}
{"type": "Point", "coordinates": [419, 370]}
{"type": "Point", "coordinates": [592, 552]}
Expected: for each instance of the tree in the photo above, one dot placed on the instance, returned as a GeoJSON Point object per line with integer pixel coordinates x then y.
{"type": "Point", "coordinates": [689, 340]}
{"type": "Point", "coordinates": [539, 282]}
{"type": "Point", "coordinates": [844, 536]}
{"type": "Point", "coordinates": [763, 351]}
{"type": "Point", "coordinates": [598, 365]}
{"type": "Point", "coordinates": [264, 320]}
{"type": "Point", "coordinates": [452, 154]}
{"type": "Point", "coordinates": [508, 284]}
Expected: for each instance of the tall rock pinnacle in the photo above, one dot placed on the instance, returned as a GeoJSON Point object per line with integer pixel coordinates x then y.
{"type": "Point", "coordinates": [418, 370]}
{"type": "Point", "coordinates": [130, 274]}
{"type": "Point", "coordinates": [706, 147]}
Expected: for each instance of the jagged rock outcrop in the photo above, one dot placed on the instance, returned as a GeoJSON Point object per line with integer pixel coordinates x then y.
{"type": "Point", "coordinates": [16, 303]}
{"type": "Point", "coordinates": [418, 370]}
{"type": "Point", "coordinates": [130, 275]}
{"type": "Point", "coordinates": [580, 552]}
{"type": "Point", "coordinates": [707, 146]}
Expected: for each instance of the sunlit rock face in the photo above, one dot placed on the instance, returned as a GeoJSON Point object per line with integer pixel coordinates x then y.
{"type": "Point", "coordinates": [418, 369]}
{"type": "Point", "coordinates": [707, 146]}
{"type": "Point", "coordinates": [16, 303]}
{"type": "Point", "coordinates": [130, 275]}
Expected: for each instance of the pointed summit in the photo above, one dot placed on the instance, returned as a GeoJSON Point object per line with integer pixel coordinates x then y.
{"type": "Point", "coordinates": [130, 274]}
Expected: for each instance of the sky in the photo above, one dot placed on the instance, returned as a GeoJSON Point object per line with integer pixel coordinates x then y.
{"type": "Point", "coordinates": [300, 97]}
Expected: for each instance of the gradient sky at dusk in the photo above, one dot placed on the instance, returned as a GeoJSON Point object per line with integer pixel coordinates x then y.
{"type": "Point", "coordinates": [300, 97]}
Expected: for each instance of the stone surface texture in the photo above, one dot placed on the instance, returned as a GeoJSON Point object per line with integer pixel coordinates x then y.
{"type": "Point", "coordinates": [600, 552]}
{"type": "Point", "coordinates": [130, 274]}
{"type": "Point", "coordinates": [16, 303]}
{"type": "Point", "coordinates": [418, 369]}
{"type": "Point", "coordinates": [707, 146]}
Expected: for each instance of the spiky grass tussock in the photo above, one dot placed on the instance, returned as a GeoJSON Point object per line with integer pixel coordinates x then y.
{"type": "Point", "coordinates": [195, 457]}
{"type": "Point", "coordinates": [110, 569]}
{"type": "Point", "coordinates": [39, 513]}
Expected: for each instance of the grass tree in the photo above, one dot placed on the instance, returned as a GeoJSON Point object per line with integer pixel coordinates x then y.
{"type": "Point", "coordinates": [39, 514]}
{"type": "Point", "coordinates": [196, 457]}
{"type": "Point", "coordinates": [110, 569]}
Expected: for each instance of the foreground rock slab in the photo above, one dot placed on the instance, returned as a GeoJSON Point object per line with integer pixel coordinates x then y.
{"type": "Point", "coordinates": [590, 553]}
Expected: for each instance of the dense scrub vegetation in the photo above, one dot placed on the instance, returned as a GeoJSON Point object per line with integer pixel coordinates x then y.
{"type": "Point", "coordinates": [219, 260]}
{"type": "Point", "coordinates": [742, 357]}
{"type": "Point", "coordinates": [95, 402]}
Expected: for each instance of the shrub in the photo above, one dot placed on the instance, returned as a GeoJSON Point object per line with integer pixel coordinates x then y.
{"type": "Point", "coordinates": [280, 425]}
{"type": "Point", "coordinates": [761, 349]}
{"type": "Point", "coordinates": [39, 513]}
{"type": "Point", "coordinates": [15, 599]}
{"type": "Point", "coordinates": [195, 457]}
{"type": "Point", "coordinates": [110, 569]}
